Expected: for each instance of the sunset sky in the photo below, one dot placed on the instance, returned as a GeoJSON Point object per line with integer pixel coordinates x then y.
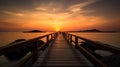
{"type": "Point", "coordinates": [51, 15]}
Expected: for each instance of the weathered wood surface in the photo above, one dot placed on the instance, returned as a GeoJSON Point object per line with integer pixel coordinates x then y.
{"type": "Point", "coordinates": [60, 53]}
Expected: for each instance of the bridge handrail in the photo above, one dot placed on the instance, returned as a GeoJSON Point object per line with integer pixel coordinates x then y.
{"type": "Point", "coordinates": [10, 47]}
{"type": "Point", "coordinates": [33, 53]}
{"type": "Point", "coordinates": [90, 56]}
{"type": "Point", "coordinates": [97, 43]}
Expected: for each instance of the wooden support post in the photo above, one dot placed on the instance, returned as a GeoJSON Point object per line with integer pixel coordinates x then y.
{"type": "Point", "coordinates": [35, 51]}
{"type": "Point", "coordinates": [54, 35]}
{"type": "Point", "coordinates": [51, 37]}
{"type": "Point", "coordinates": [47, 38]}
{"type": "Point", "coordinates": [70, 38]}
{"type": "Point", "coordinates": [76, 42]}
{"type": "Point", "coordinates": [66, 35]}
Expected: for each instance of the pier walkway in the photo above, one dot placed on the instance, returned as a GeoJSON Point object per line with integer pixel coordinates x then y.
{"type": "Point", "coordinates": [60, 49]}
{"type": "Point", "coordinates": [60, 53]}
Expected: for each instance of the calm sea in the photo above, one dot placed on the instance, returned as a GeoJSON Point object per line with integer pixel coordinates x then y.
{"type": "Point", "coordinates": [108, 38]}
{"type": "Point", "coordinates": [8, 37]}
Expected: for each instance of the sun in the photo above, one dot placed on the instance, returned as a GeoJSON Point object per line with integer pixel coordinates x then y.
{"type": "Point", "coordinates": [57, 29]}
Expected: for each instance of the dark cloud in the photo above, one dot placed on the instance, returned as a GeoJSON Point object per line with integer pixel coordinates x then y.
{"type": "Point", "coordinates": [30, 5]}
{"type": "Point", "coordinates": [105, 8]}
{"type": "Point", "coordinates": [16, 5]}
{"type": "Point", "coordinates": [63, 3]}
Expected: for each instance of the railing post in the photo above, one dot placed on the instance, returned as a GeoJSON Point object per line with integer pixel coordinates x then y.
{"type": "Point", "coordinates": [35, 51]}
{"type": "Point", "coordinates": [54, 35]}
{"type": "Point", "coordinates": [51, 36]}
{"type": "Point", "coordinates": [70, 38]}
{"type": "Point", "coordinates": [47, 38]}
{"type": "Point", "coordinates": [65, 34]}
{"type": "Point", "coordinates": [76, 41]}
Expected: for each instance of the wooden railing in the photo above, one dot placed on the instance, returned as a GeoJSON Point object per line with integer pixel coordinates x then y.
{"type": "Point", "coordinates": [75, 39]}
{"type": "Point", "coordinates": [97, 44]}
{"type": "Point", "coordinates": [33, 54]}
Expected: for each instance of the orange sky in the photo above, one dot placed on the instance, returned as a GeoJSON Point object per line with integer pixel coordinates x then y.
{"type": "Point", "coordinates": [52, 16]}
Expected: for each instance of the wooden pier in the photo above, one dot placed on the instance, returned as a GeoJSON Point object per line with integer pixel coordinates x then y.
{"type": "Point", "coordinates": [59, 51]}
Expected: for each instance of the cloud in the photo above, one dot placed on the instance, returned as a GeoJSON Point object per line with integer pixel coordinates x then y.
{"type": "Point", "coordinates": [105, 8]}
{"type": "Point", "coordinates": [41, 8]}
{"type": "Point", "coordinates": [80, 5]}
{"type": "Point", "coordinates": [74, 14]}
{"type": "Point", "coordinates": [13, 13]}
{"type": "Point", "coordinates": [56, 6]}
{"type": "Point", "coordinates": [77, 8]}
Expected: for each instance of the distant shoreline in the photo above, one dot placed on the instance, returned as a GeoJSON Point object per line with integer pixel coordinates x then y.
{"type": "Point", "coordinates": [92, 32]}
{"type": "Point", "coordinates": [95, 31]}
{"type": "Point", "coordinates": [34, 31]}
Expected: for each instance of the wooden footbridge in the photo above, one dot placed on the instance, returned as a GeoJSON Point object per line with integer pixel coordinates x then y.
{"type": "Point", "coordinates": [60, 49]}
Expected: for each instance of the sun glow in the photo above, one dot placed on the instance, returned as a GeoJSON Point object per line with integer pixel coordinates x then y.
{"type": "Point", "coordinates": [57, 29]}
